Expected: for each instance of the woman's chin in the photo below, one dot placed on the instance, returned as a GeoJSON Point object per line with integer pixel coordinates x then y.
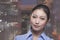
{"type": "Point", "coordinates": [36, 29]}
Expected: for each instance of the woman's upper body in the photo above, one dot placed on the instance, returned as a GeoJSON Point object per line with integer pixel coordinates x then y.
{"type": "Point", "coordinates": [29, 36]}
{"type": "Point", "coordinates": [38, 19]}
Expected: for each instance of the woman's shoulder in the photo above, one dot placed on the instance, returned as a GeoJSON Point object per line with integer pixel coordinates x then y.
{"type": "Point", "coordinates": [49, 38]}
{"type": "Point", "coordinates": [46, 37]}
{"type": "Point", "coordinates": [20, 37]}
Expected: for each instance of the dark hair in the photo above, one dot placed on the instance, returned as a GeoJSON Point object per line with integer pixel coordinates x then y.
{"type": "Point", "coordinates": [45, 8]}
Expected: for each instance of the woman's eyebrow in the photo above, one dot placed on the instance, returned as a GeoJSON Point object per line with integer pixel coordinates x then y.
{"type": "Point", "coordinates": [37, 15]}
{"type": "Point", "coordinates": [34, 15]}
{"type": "Point", "coordinates": [42, 16]}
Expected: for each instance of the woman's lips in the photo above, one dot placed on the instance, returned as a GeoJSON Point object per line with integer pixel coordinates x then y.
{"type": "Point", "coordinates": [36, 26]}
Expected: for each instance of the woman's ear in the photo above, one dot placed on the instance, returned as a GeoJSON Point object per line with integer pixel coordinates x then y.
{"type": "Point", "coordinates": [49, 20]}
{"type": "Point", "coordinates": [29, 17]}
{"type": "Point", "coordinates": [48, 23]}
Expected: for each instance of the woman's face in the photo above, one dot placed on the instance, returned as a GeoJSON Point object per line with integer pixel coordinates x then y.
{"type": "Point", "coordinates": [38, 19]}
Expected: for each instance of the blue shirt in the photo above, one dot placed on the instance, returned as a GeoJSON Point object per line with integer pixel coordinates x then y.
{"type": "Point", "coordinates": [28, 36]}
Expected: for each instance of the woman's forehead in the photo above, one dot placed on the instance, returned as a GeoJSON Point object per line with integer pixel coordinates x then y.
{"type": "Point", "coordinates": [39, 12]}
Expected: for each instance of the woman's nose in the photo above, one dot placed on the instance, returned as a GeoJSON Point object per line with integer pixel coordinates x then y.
{"type": "Point", "coordinates": [37, 21]}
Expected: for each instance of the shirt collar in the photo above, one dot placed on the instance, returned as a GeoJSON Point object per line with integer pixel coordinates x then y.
{"type": "Point", "coordinates": [29, 34]}
{"type": "Point", "coordinates": [43, 35]}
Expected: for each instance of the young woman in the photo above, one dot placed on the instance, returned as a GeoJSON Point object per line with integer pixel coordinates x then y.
{"type": "Point", "coordinates": [38, 19]}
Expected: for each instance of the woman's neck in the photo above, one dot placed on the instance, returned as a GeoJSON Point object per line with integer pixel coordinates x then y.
{"type": "Point", "coordinates": [36, 33]}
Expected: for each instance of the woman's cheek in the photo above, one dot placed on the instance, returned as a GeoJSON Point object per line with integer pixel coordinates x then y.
{"type": "Point", "coordinates": [43, 23]}
{"type": "Point", "coordinates": [32, 20]}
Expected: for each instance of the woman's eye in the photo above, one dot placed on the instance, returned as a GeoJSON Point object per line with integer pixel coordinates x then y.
{"type": "Point", "coordinates": [42, 18]}
{"type": "Point", "coordinates": [34, 16]}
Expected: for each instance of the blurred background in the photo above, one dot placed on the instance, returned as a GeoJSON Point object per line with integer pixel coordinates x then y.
{"type": "Point", "coordinates": [14, 17]}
